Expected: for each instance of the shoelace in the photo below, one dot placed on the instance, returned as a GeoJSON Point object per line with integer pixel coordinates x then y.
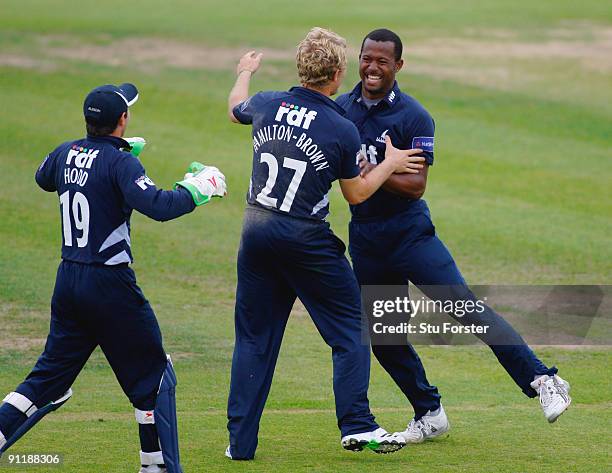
{"type": "Point", "coordinates": [422, 425]}
{"type": "Point", "coordinates": [546, 394]}
{"type": "Point", "coordinates": [413, 426]}
{"type": "Point", "coordinates": [550, 389]}
{"type": "Point", "coordinates": [561, 388]}
{"type": "Point", "coordinates": [426, 428]}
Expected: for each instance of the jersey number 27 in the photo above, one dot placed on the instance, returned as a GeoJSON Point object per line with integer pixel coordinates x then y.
{"type": "Point", "coordinates": [264, 196]}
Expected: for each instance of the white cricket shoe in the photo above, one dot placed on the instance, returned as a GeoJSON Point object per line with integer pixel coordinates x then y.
{"type": "Point", "coordinates": [152, 469]}
{"type": "Point", "coordinates": [228, 452]}
{"type": "Point", "coordinates": [379, 441]}
{"type": "Point", "coordinates": [150, 462]}
{"type": "Point", "coordinates": [554, 395]}
{"type": "Point", "coordinates": [427, 427]}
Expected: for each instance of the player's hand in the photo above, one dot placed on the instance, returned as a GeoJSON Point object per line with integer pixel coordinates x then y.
{"type": "Point", "coordinates": [404, 161]}
{"type": "Point", "coordinates": [203, 183]}
{"type": "Point", "coordinates": [249, 62]}
{"type": "Point", "coordinates": [365, 166]}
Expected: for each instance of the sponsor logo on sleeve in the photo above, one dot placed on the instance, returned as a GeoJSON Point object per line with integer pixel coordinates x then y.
{"type": "Point", "coordinates": [143, 182]}
{"type": "Point", "coordinates": [426, 143]}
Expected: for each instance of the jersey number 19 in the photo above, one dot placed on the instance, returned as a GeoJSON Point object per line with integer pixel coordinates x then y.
{"type": "Point", "coordinates": [80, 214]}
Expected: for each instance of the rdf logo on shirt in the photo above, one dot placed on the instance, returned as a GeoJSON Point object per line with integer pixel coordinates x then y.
{"type": "Point", "coordinates": [295, 116]}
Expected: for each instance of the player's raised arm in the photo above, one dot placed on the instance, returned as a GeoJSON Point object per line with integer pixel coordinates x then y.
{"type": "Point", "coordinates": [248, 65]}
{"type": "Point", "coordinates": [359, 188]}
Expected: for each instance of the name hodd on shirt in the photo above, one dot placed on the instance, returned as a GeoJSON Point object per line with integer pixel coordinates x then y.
{"type": "Point", "coordinates": [98, 186]}
{"type": "Point", "coordinates": [301, 144]}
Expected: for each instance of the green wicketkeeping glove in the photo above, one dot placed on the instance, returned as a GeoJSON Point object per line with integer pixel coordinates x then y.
{"type": "Point", "coordinates": [203, 183]}
{"type": "Point", "coordinates": [195, 167]}
{"type": "Point", "coordinates": [137, 144]}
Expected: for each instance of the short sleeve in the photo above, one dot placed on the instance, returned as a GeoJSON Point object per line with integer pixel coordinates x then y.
{"type": "Point", "coordinates": [423, 136]}
{"type": "Point", "coordinates": [245, 111]}
{"type": "Point", "coordinates": [349, 166]}
{"type": "Point", "coordinates": [45, 175]}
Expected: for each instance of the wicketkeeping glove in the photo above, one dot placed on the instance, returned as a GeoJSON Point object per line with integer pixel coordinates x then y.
{"type": "Point", "coordinates": [137, 144]}
{"type": "Point", "coordinates": [203, 182]}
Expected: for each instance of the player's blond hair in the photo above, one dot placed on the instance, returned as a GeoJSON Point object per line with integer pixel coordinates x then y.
{"type": "Point", "coordinates": [319, 55]}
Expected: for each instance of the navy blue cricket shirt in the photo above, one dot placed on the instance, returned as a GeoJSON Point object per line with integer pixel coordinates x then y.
{"type": "Point", "coordinates": [408, 125]}
{"type": "Point", "coordinates": [301, 144]}
{"type": "Point", "coordinates": [98, 186]}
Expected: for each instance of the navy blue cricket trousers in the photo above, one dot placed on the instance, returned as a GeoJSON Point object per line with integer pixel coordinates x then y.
{"type": "Point", "coordinates": [91, 306]}
{"type": "Point", "coordinates": [281, 258]}
{"type": "Point", "coordinates": [402, 248]}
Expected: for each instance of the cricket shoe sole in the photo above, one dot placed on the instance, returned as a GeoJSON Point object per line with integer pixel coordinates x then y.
{"type": "Point", "coordinates": [378, 441]}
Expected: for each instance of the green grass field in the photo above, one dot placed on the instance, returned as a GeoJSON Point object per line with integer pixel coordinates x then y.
{"type": "Point", "coordinates": [522, 96]}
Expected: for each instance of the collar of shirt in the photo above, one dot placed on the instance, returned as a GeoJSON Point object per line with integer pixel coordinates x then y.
{"type": "Point", "coordinates": [112, 140]}
{"type": "Point", "coordinates": [390, 99]}
{"type": "Point", "coordinates": [318, 96]}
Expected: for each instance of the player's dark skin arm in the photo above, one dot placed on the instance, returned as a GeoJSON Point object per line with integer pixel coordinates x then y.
{"type": "Point", "coordinates": [411, 186]}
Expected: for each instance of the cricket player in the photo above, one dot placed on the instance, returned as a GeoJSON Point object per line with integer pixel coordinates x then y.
{"type": "Point", "coordinates": [393, 241]}
{"type": "Point", "coordinates": [301, 144]}
{"type": "Point", "coordinates": [96, 300]}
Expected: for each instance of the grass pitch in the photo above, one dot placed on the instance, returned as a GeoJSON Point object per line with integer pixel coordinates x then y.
{"type": "Point", "coordinates": [520, 192]}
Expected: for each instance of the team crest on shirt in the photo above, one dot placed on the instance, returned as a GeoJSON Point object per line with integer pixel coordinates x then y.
{"type": "Point", "coordinates": [426, 143]}
{"type": "Point", "coordinates": [381, 138]}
